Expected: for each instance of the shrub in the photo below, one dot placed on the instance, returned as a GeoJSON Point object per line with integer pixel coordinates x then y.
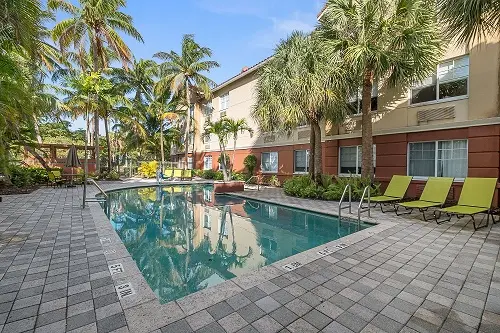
{"type": "Point", "coordinates": [208, 174]}
{"type": "Point", "coordinates": [250, 163]}
{"type": "Point", "coordinates": [198, 173]}
{"type": "Point", "coordinates": [148, 169]}
{"type": "Point", "coordinates": [219, 175]}
{"type": "Point", "coordinates": [20, 176]}
{"type": "Point", "coordinates": [239, 176]}
{"type": "Point", "coordinates": [38, 175]}
{"type": "Point", "coordinates": [113, 175]}
{"type": "Point", "coordinates": [331, 188]}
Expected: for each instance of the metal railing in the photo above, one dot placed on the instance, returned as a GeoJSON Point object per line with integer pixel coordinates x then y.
{"type": "Point", "coordinates": [341, 207]}
{"type": "Point", "coordinates": [361, 209]}
{"type": "Point", "coordinates": [249, 179]}
{"type": "Point", "coordinates": [98, 187]}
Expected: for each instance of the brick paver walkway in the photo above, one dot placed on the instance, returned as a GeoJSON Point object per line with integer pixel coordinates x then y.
{"type": "Point", "coordinates": [411, 277]}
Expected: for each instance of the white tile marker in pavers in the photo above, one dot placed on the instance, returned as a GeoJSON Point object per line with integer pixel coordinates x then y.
{"type": "Point", "coordinates": [116, 269]}
{"type": "Point", "coordinates": [292, 266]}
{"type": "Point", "coordinates": [125, 290]}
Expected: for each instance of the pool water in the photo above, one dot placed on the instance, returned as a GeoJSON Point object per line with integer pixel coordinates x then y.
{"type": "Point", "coordinates": [185, 239]}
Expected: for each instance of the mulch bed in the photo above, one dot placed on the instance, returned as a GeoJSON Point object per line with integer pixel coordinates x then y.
{"type": "Point", "coordinates": [11, 190]}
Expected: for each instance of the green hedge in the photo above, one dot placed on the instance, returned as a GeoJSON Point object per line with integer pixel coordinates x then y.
{"type": "Point", "coordinates": [27, 176]}
{"type": "Point", "coordinates": [217, 175]}
{"type": "Point", "coordinates": [331, 188]}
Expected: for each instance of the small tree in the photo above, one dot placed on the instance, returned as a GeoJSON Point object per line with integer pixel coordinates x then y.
{"type": "Point", "coordinates": [221, 130]}
{"type": "Point", "coordinates": [235, 127]}
{"type": "Point", "coordinates": [250, 163]}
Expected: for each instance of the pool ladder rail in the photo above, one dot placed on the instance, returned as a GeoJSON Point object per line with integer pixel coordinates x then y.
{"type": "Point", "coordinates": [96, 199]}
{"type": "Point", "coordinates": [361, 207]}
{"type": "Point", "coordinates": [249, 179]}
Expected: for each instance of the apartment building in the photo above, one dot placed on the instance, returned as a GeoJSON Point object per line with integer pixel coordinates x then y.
{"type": "Point", "coordinates": [446, 126]}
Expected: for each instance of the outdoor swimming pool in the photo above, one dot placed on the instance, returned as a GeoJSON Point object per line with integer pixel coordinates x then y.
{"type": "Point", "coordinates": [185, 239]}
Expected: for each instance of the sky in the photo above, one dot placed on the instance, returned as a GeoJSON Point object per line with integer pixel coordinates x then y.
{"type": "Point", "coordinates": [239, 32]}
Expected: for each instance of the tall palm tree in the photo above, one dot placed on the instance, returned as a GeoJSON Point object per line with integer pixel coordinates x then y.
{"type": "Point", "coordinates": [236, 126]}
{"type": "Point", "coordinates": [182, 73]}
{"type": "Point", "coordinates": [96, 23]}
{"type": "Point", "coordinates": [137, 80]}
{"type": "Point", "coordinates": [220, 129]}
{"type": "Point", "coordinates": [394, 42]}
{"type": "Point", "coordinates": [469, 21]}
{"type": "Point", "coordinates": [301, 84]}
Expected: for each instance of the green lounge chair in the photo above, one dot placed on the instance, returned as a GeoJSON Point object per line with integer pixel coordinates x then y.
{"type": "Point", "coordinates": [53, 180]}
{"type": "Point", "coordinates": [187, 174]}
{"type": "Point", "coordinates": [177, 174]}
{"type": "Point", "coordinates": [475, 198]}
{"type": "Point", "coordinates": [434, 195]}
{"type": "Point", "coordinates": [168, 173]}
{"type": "Point", "coordinates": [394, 192]}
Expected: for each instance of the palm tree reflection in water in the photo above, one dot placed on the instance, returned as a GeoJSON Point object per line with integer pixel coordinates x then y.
{"type": "Point", "coordinates": [157, 227]}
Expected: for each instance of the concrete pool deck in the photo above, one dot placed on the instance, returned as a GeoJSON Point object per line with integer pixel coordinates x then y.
{"type": "Point", "coordinates": [64, 269]}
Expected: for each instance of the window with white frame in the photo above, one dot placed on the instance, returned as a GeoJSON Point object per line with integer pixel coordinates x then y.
{"type": "Point", "coordinates": [301, 161]}
{"type": "Point", "coordinates": [451, 80]}
{"type": "Point", "coordinates": [269, 162]}
{"type": "Point", "coordinates": [207, 162]}
{"type": "Point", "coordinates": [207, 195]}
{"type": "Point", "coordinates": [190, 163]}
{"type": "Point", "coordinates": [438, 159]}
{"type": "Point", "coordinates": [207, 222]}
{"type": "Point", "coordinates": [191, 110]}
{"type": "Point", "coordinates": [207, 138]}
{"type": "Point", "coordinates": [350, 159]}
{"type": "Point", "coordinates": [224, 102]}
{"type": "Point", "coordinates": [356, 100]}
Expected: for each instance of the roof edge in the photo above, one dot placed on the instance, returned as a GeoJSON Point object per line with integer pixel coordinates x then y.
{"type": "Point", "coordinates": [241, 75]}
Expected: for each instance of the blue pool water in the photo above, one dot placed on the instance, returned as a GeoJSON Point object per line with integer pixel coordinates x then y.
{"type": "Point", "coordinates": [184, 238]}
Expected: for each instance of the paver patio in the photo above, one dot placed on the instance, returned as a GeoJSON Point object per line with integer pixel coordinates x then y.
{"type": "Point", "coordinates": [405, 276]}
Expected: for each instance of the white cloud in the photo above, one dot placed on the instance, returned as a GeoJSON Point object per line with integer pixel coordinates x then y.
{"type": "Point", "coordinates": [281, 28]}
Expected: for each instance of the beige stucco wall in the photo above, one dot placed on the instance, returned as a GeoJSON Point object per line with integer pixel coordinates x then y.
{"type": "Point", "coordinates": [395, 111]}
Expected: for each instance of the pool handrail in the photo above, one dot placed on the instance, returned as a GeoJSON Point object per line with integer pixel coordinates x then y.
{"type": "Point", "coordinates": [347, 188]}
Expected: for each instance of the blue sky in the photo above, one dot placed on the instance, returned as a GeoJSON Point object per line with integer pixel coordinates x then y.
{"type": "Point", "coordinates": [239, 32]}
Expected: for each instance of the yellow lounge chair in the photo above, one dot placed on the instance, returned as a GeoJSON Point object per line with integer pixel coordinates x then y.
{"type": "Point", "coordinates": [394, 192]}
{"type": "Point", "coordinates": [475, 198]}
{"type": "Point", "coordinates": [434, 195]}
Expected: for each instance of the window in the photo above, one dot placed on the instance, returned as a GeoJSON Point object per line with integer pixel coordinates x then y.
{"type": "Point", "coordinates": [355, 101]}
{"type": "Point", "coordinates": [207, 109]}
{"type": "Point", "coordinates": [191, 110]}
{"type": "Point", "coordinates": [450, 80]}
{"type": "Point", "coordinates": [269, 162]}
{"type": "Point", "coordinates": [224, 102]}
{"type": "Point", "coordinates": [301, 161]}
{"type": "Point", "coordinates": [190, 140]}
{"type": "Point", "coordinates": [190, 163]}
{"type": "Point", "coordinates": [207, 163]}
{"type": "Point", "coordinates": [438, 159]}
{"type": "Point", "coordinates": [222, 114]}
{"type": "Point", "coordinates": [207, 195]}
{"type": "Point", "coordinates": [207, 138]}
{"type": "Point", "coordinates": [207, 223]}
{"type": "Point", "coordinates": [350, 159]}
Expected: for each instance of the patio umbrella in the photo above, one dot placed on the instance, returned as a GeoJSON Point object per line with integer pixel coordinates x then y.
{"type": "Point", "coordinates": [72, 161]}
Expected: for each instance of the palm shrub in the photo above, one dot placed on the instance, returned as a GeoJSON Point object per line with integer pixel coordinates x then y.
{"type": "Point", "coordinates": [250, 163]}
{"type": "Point", "coordinates": [300, 84]}
{"type": "Point", "coordinates": [394, 43]}
{"type": "Point", "coordinates": [221, 130]}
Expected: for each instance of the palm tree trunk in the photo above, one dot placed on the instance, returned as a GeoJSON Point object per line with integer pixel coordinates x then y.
{"type": "Point", "coordinates": [161, 145]}
{"type": "Point", "coordinates": [318, 154]}
{"type": "Point", "coordinates": [312, 142]}
{"type": "Point", "coordinates": [367, 130]}
{"type": "Point", "coordinates": [224, 169]}
{"type": "Point", "coordinates": [188, 125]}
{"type": "Point", "coordinates": [234, 151]}
{"type": "Point", "coordinates": [108, 141]}
{"type": "Point", "coordinates": [95, 60]}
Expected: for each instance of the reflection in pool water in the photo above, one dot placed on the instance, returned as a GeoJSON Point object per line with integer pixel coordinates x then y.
{"type": "Point", "coordinates": [185, 239]}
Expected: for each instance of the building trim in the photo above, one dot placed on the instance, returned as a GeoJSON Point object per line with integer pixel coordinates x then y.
{"type": "Point", "coordinates": [421, 128]}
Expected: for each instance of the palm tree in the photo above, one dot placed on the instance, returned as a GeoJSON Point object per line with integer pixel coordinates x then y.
{"type": "Point", "coordinates": [468, 21]}
{"type": "Point", "coordinates": [394, 42]}
{"type": "Point", "coordinates": [237, 126]}
{"type": "Point", "coordinates": [220, 129]}
{"type": "Point", "coordinates": [301, 84]}
{"type": "Point", "coordinates": [138, 80]}
{"type": "Point", "coordinates": [95, 23]}
{"type": "Point", "coordinates": [185, 72]}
